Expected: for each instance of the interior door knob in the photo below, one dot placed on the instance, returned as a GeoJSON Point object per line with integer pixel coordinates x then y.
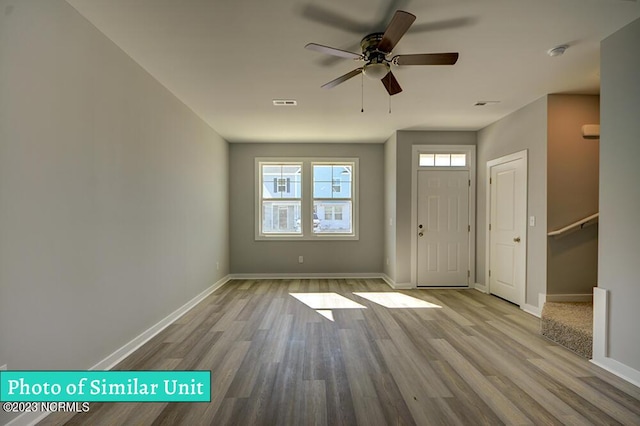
{"type": "Point", "coordinates": [516, 240]}
{"type": "Point", "coordinates": [420, 234]}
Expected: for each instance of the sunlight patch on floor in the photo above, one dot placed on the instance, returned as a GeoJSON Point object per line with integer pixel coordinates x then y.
{"type": "Point", "coordinates": [394, 300]}
{"type": "Point", "coordinates": [323, 303]}
{"type": "Point", "coordinates": [327, 301]}
{"type": "Point", "coordinates": [327, 313]}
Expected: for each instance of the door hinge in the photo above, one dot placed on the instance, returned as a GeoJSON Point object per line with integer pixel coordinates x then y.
{"type": "Point", "coordinates": [490, 181]}
{"type": "Point", "coordinates": [468, 273]}
{"type": "Point", "coordinates": [469, 182]}
{"type": "Point", "coordinates": [489, 272]}
{"type": "Point", "coordinates": [468, 228]}
{"type": "Point", "coordinates": [489, 227]}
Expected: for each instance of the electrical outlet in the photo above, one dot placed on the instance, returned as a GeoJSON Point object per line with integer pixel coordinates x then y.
{"type": "Point", "coordinates": [532, 221]}
{"type": "Point", "coordinates": [3, 367]}
{"type": "Point", "coordinates": [300, 259]}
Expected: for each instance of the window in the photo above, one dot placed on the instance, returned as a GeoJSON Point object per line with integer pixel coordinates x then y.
{"type": "Point", "coordinates": [280, 198]}
{"type": "Point", "coordinates": [443, 160]}
{"type": "Point", "coordinates": [306, 198]}
{"type": "Point", "coordinates": [332, 196]}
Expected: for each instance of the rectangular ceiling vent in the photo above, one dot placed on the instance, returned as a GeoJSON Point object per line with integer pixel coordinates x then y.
{"type": "Point", "coordinates": [485, 103]}
{"type": "Point", "coordinates": [285, 102]}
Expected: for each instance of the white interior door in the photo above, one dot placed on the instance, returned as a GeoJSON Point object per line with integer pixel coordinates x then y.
{"type": "Point", "coordinates": [507, 230]}
{"type": "Point", "coordinates": [443, 228]}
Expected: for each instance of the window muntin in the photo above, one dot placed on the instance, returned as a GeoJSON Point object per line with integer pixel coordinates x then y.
{"type": "Point", "coordinates": [443, 160]}
{"type": "Point", "coordinates": [306, 198]}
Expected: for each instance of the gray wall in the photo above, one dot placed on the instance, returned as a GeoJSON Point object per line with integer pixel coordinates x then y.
{"type": "Point", "coordinates": [113, 194]}
{"type": "Point", "coordinates": [619, 194]}
{"type": "Point", "coordinates": [390, 187]}
{"type": "Point", "coordinates": [249, 256]}
{"type": "Point", "coordinates": [572, 193]}
{"type": "Point", "coordinates": [523, 129]}
{"type": "Point", "coordinates": [404, 148]}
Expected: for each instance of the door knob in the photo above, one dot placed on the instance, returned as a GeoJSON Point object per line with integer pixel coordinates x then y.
{"type": "Point", "coordinates": [420, 234]}
{"type": "Point", "coordinates": [516, 240]}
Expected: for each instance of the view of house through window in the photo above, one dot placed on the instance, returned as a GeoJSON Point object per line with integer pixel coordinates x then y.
{"type": "Point", "coordinates": [281, 198]}
{"type": "Point", "coordinates": [332, 197]}
{"type": "Point", "coordinates": [306, 198]}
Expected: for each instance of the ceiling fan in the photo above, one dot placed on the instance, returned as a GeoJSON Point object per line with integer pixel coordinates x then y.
{"type": "Point", "coordinates": [376, 47]}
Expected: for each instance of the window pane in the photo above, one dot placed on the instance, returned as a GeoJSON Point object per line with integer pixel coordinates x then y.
{"type": "Point", "coordinates": [281, 181]}
{"type": "Point", "coordinates": [427, 160]}
{"type": "Point", "coordinates": [443, 159]}
{"type": "Point", "coordinates": [334, 217]}
{"type": "Point", "coordinates": [281, 217]}
{"type": "Point", "coordinates": [332, 181]}
{"type": "Point", "coordinates": [459, 160]}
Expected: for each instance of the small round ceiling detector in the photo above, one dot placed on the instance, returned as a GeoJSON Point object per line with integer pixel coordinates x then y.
{"type": "Point", "coordinates": [558, 50]}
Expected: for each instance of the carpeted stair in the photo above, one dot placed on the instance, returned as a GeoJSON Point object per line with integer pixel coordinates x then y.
{"type": "Point", "coordinates": [569, 324]}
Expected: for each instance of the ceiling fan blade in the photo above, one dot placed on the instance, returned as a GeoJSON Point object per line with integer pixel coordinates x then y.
{"type": "Point", "coordinates": [446, 24]}
{"type": "Point", "coordinates": [426, 59]}
{"type": "Point", "coordinates": [399, 25]}
{"type": "Point", "coordinates": [386, 11]}
{"type": "Point", "coordinates": [333, 51]}
{"type": "Point", "coordinates": [342, 79]}
{"type": "Point", "coordinates": [391, 84]}
{"type": "Point", "coordinates": [330, 18]}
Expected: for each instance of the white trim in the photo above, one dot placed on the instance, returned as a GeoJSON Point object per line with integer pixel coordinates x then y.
{"type": "Point", "coordinates": [29, 419]}
{"type": "Point", "coordinates": [536, 311]}
{"type": "Point", "coordinates": [491, 163]}
{"type": "Point", "coordinates": [569, 298]}
{"type": "Point", "coordinates": [481, 288]}
{"type": "Point", "coordinates": [396, 286]}
{"type": "Point", "coordinates": [600, 323]}
{"type": "Point", "coordinates": [307, 199]}
{"type": "Point", "coordinates": [601, 340]}
{"type": "Point", "coordinates": [112, 360]}
{"type": "Point", "coordinates": [305, 276]}
{"type": "Point", "coordinates": [619, 369]}
{"type": "Point", "coordinates": [470, 150]}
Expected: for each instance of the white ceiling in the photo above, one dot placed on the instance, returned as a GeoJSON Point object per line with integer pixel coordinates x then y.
{"type": "Point", "coordinates": [228, 59]}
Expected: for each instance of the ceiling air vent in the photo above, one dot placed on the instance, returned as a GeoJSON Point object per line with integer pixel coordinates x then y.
{"type": "Point", "coordinates": [285, 102]}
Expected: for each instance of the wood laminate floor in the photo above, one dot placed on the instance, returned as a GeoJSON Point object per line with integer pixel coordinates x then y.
{"type": "Point", "coordinates": [466, 359]}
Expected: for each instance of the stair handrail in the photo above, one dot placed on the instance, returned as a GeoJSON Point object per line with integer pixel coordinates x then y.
{"type": "Point", "coordinates": [582, 223]}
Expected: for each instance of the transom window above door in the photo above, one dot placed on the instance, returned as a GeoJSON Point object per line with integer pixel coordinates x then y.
{"type": "Point", "coordinates": [443, 160]}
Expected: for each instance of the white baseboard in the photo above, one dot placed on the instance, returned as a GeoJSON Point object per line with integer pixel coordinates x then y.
{"type": "Point", "coordinates": [600, 340]}
{"type": "Point", "coordinates": [304, 276]}
{"type": "Point", "coordinates": [569, 298]}
{"type": "Point", "coordinates": [481, 288]}
{"type": "Point", "coordinates": [30, 419]}
{"type": "Point", "coordinates": [619, 369]}
{"type": "Point", "coordinates": [536, 311]}
{"type": "Point", "coordinates": [112, 360]}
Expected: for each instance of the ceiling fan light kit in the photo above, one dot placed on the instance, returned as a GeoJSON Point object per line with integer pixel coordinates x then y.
{"type": "Point", "coordinates": [376, 71]}
{"type": "Point", "coordinates": [375, 49]}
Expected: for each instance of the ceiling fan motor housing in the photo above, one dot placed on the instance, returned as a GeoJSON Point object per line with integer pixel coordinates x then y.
{"type": "Point", "coordinates": [376, 65]}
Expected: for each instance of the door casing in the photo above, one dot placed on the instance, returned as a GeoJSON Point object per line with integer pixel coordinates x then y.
{"type": "Point", "coordinates": [521, 155]}
{"type": "Point", "coordinates": [470, 150]}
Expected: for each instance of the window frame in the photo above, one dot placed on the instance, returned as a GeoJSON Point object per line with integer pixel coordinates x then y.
{"type": "Point", "coordinates": [307, 199]}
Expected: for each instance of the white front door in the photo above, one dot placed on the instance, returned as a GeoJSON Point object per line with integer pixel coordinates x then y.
{"type": "Point", "coordinates": [443, 228]}
{"type": "Point", "coordinates": [507, 229]}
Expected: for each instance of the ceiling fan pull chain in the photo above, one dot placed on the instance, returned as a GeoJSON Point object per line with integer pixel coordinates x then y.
{"type": "Point", "coordinates": [362, 91]}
